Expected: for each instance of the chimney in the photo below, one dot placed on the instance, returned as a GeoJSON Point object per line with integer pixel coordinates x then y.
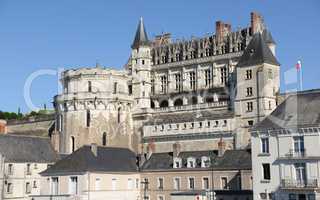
{"type": "Point", "coordinates": [176, 149]}
{"type": "Point", "coordinates": [3, 127]}
{"type": "Point", "coordinates": [221, 147]}
{"type": "Point", "coordinates": [150, 149]}
{"type": "Point", "coordinates": [257, 24]}
{"type": "Point", "coordinates": [94, 149]}
{"type": "Point", "coordinates": [162, 39]}
{"type": "Point", "coordinates": [222, 30]}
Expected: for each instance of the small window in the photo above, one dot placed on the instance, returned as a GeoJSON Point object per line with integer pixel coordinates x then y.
{"type": "Point", "coordinates": [88, 121]}
{"type": "Point", "coordinates": [208, 124]}
{"type": "Point", "coordinates": [104, 139]}
{"type": "Point", "coordinates": [205, 183]}
{"type": "Point", "coordinates": [9, 187]}
{"type": "Point", "coordinates": [89, 86]}
{"type": "Point", "coordinates": [250, 123]}
{"type": "Point", "coordinates": [249, 91]}
{"type": "Point", "coordinates": [216, 123]}
{"type": "Point", "coordinates": [224, 183]}
{"type": "Point", "coordinates": [224, 122]}
{"type": "Point", "coordinates": [10, 169]}
{"type": "Point", "coordinates": [176, 183]}
{"type": "Point", "coordinates": [249, 106]}
{"type": "Point", "coordinates": [200, 124]}
{"type": "Point", "coordinates": [160, 183]}
{"type": "Point", "coordinates": [143, 62]}
{"type": "Point", "coordinates": [192, 125]}
{"type": "Point", "coordinates": [191, 183]}
{"type": "Point", "coordinates": [115, 87]}
{"type": "Point", "coordinates": [265, 145]}
{"type": "Point", "coordinates": [266, 171]}
{"type": "Point", "coordinates": [270, 74]}
{"type": "Point", "coordinates": [249, 74]}
{"type": "Point", "coordinates": [35, 185]}
{"type": "Point", "coordinates": [28, 188]}
{"type": "Point", "coordinates": [28, 169]}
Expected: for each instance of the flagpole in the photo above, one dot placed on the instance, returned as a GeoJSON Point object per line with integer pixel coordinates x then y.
{"type": "Point", "coordinates": [301, 79]}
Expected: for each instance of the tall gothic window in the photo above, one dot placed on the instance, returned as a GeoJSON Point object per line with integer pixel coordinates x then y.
{"type": "Point", "coordinates": [178, 82]}
{"type": "Point", "coordinates": [88, 121]}
{"type": "Point", "coordinates": [104, 139]}
{"type": "Point", "coordinates": [192, 80]}
{"type": "Point", "coordinates": [163, 80]}
{"type": "Point", "coordinates": [223, 75]}
{"type": "Point", "coordinates": [208, 77]}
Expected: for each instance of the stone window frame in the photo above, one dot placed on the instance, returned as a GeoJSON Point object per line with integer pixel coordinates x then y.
{"type": "Point", "coordinates": [189, 182]}
{"type": "Point", "coordinates": [174, 183]}
{"type": "Point", "coordinates": [202, 182]}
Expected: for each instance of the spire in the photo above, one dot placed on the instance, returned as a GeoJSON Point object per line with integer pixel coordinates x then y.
{"type": "Point", "coordinates": [141, 37]}
{"type": "Point", "coordinates": [257, 52]}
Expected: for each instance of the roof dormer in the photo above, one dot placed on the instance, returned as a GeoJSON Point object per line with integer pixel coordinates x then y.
{"type": "Point", "coordinates": [191, 162]}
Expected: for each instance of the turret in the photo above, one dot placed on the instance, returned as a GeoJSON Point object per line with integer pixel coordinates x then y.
{"type": "Point", "coordinates": [141, 67]}
{"type": "Point", "coordinates": [257, 85]}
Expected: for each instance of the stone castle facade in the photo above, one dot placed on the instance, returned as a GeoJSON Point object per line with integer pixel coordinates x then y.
{"type": "Point", "coordinates": [194, 93]}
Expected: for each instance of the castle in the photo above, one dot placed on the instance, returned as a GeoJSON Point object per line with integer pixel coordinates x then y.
{"type": "Point", "coordinates": [192, 93]}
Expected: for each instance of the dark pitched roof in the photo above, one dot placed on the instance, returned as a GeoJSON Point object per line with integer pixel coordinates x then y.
{"type": "Point", "coordinates": [298, 110]}
{"type": "Point", "coordinates": [188, 117]}
{"type": "Point", "coordinates": [267, 37]}
{"type": "Point", "coordinates": [257, 52]}
{"type": "Point", "coordinates": [231, 159]}
{"type": "Point", "coordinates": [108, 159]}
{"type": "Point", "coordinates": [141, 37]}
{"type": "Point", "coordinates": [27, 149]}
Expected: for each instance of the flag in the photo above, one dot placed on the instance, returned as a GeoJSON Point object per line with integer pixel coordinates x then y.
{"type": "Point", "coordinates": [298, 65]}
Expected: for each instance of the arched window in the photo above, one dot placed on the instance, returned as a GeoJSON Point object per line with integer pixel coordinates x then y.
{"type": "Point", "coordinates": [72, 144]}
{"type": "Point", "coordinates": [119, 115]}
{"type": "Point", "coordinates": [164, 104]}
{"type": "Point", "coordinates": [178, 102]}
{"type": "Point", "coordinates": [194, 100]}
{"type": "Point", "coordinates": [104, 139]}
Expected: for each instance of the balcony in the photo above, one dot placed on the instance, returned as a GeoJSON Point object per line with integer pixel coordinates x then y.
{"type": "Point", "coordinates": [219, 104]}
{"type": "Point", "coordinates": [299, 184]}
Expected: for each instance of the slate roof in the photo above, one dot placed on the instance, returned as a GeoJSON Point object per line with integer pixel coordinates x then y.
{"type": "Point", "coordinates": [20, 149]}
{"type": "Point", "coordinates": [188, 117]}
{"type": "Point", "coordinates": [232, 159]}
{"type": "Point", "coordinates": [257, 52]}
{"type": "Point", "coordinates": [267, 37]}
{"type": "Point", "coordinates": [298, 110]}
{"type": "Point", "coordinates": [141, 37]}
{"type": "Point", "coordinates": [108, 159]}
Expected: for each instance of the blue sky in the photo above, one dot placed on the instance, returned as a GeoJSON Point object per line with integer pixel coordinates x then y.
{"type": "Point", "coordinates": [46, 34]}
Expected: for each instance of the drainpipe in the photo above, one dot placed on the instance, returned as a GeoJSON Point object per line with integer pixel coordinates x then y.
{"type": "Point", "coordinates": [260, 69]}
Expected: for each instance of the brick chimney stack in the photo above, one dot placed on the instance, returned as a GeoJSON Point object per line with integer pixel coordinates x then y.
{"type": "Point", "coordinates": [257, 24]}
{"type": "Point", "coordinates": [3, 127]}
{"type": "Point", "coordinates": [176, 149]}
{"type": "Point", "coordinates": [222, 30]}
{"type": "Point", "coordinates": [221, 147]}
{"type": "Point", "coordinates": [94, 149]}
{"type": "Point", "coordinates": [150, 149]}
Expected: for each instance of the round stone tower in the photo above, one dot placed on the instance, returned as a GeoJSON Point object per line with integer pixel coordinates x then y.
{"type": "Point", "coordinates": [94, 107]}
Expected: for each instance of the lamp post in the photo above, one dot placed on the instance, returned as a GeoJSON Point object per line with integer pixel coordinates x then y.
{"type": "Point", "coordinates": [212, 163]}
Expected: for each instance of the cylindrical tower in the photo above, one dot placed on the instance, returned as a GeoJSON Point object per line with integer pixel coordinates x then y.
{"type": "Point", "coordinates": [94, 107]}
